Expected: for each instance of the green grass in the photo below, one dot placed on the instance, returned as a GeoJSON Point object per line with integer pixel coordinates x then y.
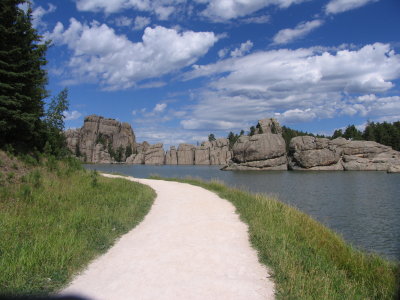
{"type": "Point", "coordinates": [308, 261]}
{"type": "Point", "coordinates": [57, 219]}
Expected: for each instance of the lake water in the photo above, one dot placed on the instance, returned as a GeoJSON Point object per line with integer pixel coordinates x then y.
{"type": "Point", "coordinates": [364, 207]}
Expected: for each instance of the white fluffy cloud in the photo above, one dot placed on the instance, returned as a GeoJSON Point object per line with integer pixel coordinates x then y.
{"type": "Point", "coordinates": [141, 22]}
{"type": "Point", "coordinates": [160, 107]}
{"type": "Point", "coordinates": [215, 10]}
{"type": "Point", "coordinates": [339, 6]}
{"type": "Point", "coordinates": [288, 35]}
{"type": "Point", "coordinates": [72, 115]}
{"type": "Point", "coordinates": [113, 61]}
{"type": "Point", "coordinates": [222, 10]}
{"type": "Point", "coordinates": [38, 14]}
{"type": "Point", "coordinates": [296, 86]}
{"type": "Point", "coordinates": [161, 8]}
{"type": "Point", "coordinates": [242, 50]}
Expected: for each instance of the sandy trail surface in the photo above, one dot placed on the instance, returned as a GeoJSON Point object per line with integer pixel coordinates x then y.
{"type": "Point", "coordinates": [191, 245]}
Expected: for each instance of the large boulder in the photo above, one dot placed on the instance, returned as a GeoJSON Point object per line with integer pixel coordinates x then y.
{"type": "Point", "coordinates": [275, 164]}
{"type": "Point", "coordinates": [258, 147]}
{"type": "Point", "coordinates": [171, 157]}
{"type": "Point", "coordinates": [265, 151]}
{"type": "Point", "coordinates": [369, 156]}
{"type": "Point", "coordinates": [185, 154]}
{"type": "Point", "coordinates": [311, 153]}
{"type": "Point", "coordinates": [154, 155]}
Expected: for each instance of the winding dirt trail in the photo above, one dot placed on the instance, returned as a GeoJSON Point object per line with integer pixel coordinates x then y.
{"type": "Point", "coordinates": [191, 245]}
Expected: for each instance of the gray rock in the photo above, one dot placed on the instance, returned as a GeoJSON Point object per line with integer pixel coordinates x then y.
{"type": "Point", "coordinates": [366, 148]}
{"type": "Point", "coordinates": [154, 155]}
{"type": "Point", "coordinates": [258, 147]}
{"type": "Point", "coordinates": [270, 125]}
{"type": "Point", "coordinates": [219, 152]}
{"type": "Point", "coordinates": [142, 147]}
{"type": "Point", "coordinates": [274, 164]}
{"type": "Point", "coordinates": [202, 155]}
{"type": "Point", "coordinates": [171, 157]}
{"type": "Point", "coordinates": [97, 131]}
{"type": "Point", "coordinates": [185, 154]}
{"type": "Point", "coordinates": [138, 159]}
{"type": "Point", "coordinates": [394, 169]}
{"type": "Point", "coordinates": [319, 157]}
{"type": "Point", "coordinates": [312, 153]}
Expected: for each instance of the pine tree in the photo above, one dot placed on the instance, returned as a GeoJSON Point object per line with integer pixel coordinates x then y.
{"type": "Point", "coordinates": [211, 137]}
{"type": "Point", "coordinates": [22, 79]}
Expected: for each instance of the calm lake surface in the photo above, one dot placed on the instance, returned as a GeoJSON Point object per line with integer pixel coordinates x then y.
{"type": "Point", "coordinates": [364, 207]}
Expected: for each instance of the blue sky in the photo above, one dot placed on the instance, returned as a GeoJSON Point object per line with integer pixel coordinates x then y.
{"type": "Point", "coordinates": [178, 70]}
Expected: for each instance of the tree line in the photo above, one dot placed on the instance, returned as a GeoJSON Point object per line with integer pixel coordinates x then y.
{"type": "Point", "coordinates": [25, 123]}
{"type": "Point", "coordinates": [383, 133]}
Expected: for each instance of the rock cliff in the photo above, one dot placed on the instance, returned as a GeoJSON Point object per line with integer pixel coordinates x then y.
{"type": "Point", "coordinates": [101, 140]}
{"type": "Point", "coordinates": [310, 153]}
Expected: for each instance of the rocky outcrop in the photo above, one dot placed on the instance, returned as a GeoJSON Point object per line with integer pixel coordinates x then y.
{"type": "Point", "coordinates": [202, 154]}
{"type": "Point", "coordinates": [135, 159]}
{"type": "Point", "coordinates": [171, 157]}
{"type": "Point", "coordinates": [262, 151]}
{"type": "Point", "coordinates": [269, 126]}
{"type": "Point", "coordinates": [219, 152]}
{"type": "Point", "coordinates": [185, 154]}
{"type": "Point", "coordinates": [311, 153]}
{"type": "Point", "coordinates": [308, 152]}
{"type": "Point", "coordinates": [154, 155]}
{"type": "Point", "coordinates": [101, 140]}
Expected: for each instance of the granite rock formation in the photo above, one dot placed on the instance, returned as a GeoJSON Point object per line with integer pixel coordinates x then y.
{"type": "Point", "coordinates": [311, 153]}
{"type": "Point", "coordinates": [185, 154]}
{"type": "Point", "coordinates": [100, 140]}
{"type": "Point", "coordinates": [154, 155]}
{"type": "Point", "coordinates": [171, 157]}
{"type": "Point", "coordinates": [262, 151]}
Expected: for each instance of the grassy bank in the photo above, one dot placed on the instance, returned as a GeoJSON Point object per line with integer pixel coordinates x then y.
{"type": "Point", "coordinates": [57, 217]}
{"type": "Point", "coordinates": [308, 260]}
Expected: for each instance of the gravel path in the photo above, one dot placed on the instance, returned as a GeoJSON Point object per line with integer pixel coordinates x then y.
{"type": "Point", "coordinates": [191, 245]}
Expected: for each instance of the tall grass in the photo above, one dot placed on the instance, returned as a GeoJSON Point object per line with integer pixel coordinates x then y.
{"type": "Point", "coordinates": [308, 260]}
{"type": "Point", "coordinates": [57, 220]}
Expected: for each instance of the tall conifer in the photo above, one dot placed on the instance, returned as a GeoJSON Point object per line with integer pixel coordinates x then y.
{"type": "Point", "coordinates": [22, 77]}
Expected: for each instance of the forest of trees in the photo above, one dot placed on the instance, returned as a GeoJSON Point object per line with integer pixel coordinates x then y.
{"type": "Point", "coordinates": [25, 125]}
{"type": "Point", "coordinates": [384, 133]}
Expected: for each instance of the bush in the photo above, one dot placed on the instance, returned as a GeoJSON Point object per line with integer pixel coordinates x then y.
{"type": "Point", "coordinates": [51, 163]}
{"type": "Point", "coordinates": [29, 160]}
{"type": "Point", "coordinates": [94, 178]}
{"type": "Point", "coordinates": [35, 178]}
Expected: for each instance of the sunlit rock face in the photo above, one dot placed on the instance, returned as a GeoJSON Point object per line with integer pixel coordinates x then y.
{"type": "Point", "coordinates": [311, 153]}
{"type": "Point", "coordinates": [265, 150]}
{"type": "Point", "coordinates": [100, 138]}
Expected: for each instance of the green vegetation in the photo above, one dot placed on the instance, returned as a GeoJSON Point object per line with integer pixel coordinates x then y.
{"type": "Point", "coordinates": [308, 260]}
{"type": "Point", "coordinates": [384, 133]}
{"type": "Point", "coordinates": [56, 217]}
{"type": "Point", "coordinates": [24, 124]}
{"type": "Point", "coordinates": [211, 137]}
{"type": "Point", "coordinates": [22, 78]}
